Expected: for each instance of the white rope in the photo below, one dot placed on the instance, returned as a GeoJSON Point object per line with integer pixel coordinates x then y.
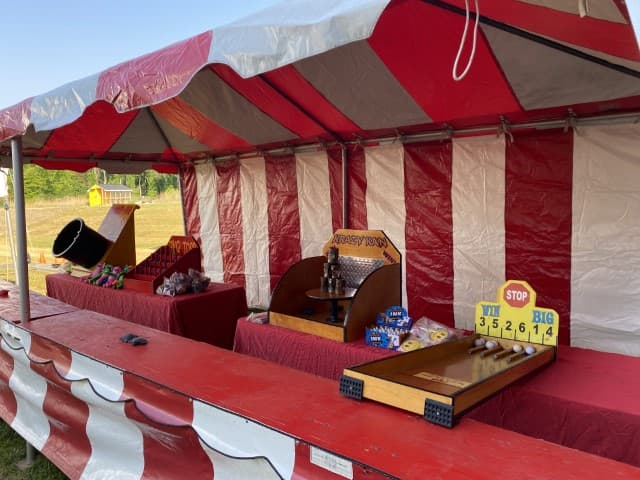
{"type": "Point", "coordinates": [454, 72]}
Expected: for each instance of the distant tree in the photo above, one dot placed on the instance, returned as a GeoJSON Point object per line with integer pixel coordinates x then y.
{"type": "Point", "coordinates": [42, 183]}
{"type": "Point", "coordinates": [36, 182]}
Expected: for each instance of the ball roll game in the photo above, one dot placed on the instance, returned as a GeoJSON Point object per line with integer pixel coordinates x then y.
{"type": "Point", "coordinates": [442, 382]}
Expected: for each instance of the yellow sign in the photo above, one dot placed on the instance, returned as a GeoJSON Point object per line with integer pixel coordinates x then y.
{"type": "Point", "coordinates": [516, 317]}
{"type": "Point", "coordinates": [364, 244]}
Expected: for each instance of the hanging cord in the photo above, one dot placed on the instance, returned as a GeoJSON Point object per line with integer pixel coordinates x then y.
{"type": "Point", "coordinates": [503, 129]}
{"type": "Point", "coordinates": [454, 72]}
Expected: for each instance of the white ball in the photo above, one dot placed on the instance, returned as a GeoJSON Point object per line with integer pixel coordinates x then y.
{"type": "Point", "coordinates": [479, 341]}
{"type": "Point", "coordinates": [517, 348]}
{"type": "Point", "coordinates": [490, 344]}
{"type": "Point", "coordinates": [530, 350]}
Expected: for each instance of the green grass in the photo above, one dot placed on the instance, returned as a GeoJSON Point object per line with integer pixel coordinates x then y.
{"type": "Point", "coordinates": [12, 452]}
{"type": "Point", "coordinates": [154, 224]}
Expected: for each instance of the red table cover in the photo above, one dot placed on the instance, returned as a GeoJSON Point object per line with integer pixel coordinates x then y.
{"type": "Point", "coordinates": [317, 355]}
{"type": "Point", "coordinates": [209, 316]}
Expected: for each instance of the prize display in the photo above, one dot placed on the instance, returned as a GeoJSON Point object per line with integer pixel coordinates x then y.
{"type": "Point", "coordinates": [155, 274]}
{"type": "Point", "coordinates": [391, 328]}
{"type": "Point", "coordinates": [513, 337]}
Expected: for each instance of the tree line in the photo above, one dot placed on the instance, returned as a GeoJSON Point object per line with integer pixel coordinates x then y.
{"type": "Point", "coordinates": [40, 183]}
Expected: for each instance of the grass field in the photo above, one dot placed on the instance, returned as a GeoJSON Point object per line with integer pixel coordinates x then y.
{"type": "Point", "coordinates": [154, 223]}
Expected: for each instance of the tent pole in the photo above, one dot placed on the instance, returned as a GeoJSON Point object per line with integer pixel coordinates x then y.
{"type": "Point", "coordinates": [22, 276]}
{"type": "Point", "coordinates": [345, 188]}
{"type": "Point", "coordinates": [21, 240]}
{"type": "Point", "coordinates": [181, 188]}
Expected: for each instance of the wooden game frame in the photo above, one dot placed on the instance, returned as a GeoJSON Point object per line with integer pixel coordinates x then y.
{"type": "Point", "coordinates": [179, 255]}
{"type": "Point", "coordinates": [439, 382]}
{"type": "Point", "coordinates": [291, 308]}
{"type": "Point", "coordinates": [118, 226]}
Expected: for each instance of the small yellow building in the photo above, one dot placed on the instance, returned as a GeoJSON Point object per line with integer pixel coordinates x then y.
{"type": "Point", "coordinates": [104, 194]}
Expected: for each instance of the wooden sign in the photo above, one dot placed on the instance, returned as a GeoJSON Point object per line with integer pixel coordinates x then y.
{"type": "Point", "coordinates": [364, 244]}
{"type": "Point", "coordinates": [182, 244]}
{"type": "Point", "coordinates": [516, 317]}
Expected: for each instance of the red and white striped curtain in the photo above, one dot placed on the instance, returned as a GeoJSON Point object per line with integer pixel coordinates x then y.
{"type": "Point", "coordinates": [557, 208]}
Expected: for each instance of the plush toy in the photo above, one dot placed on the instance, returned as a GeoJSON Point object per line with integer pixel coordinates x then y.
{"type": "Point", "coordinates": [199, 281]}
{"type": "Point", "coordinates": [95, 274]}
{"type": "Point", "coordinates": [108, 276]}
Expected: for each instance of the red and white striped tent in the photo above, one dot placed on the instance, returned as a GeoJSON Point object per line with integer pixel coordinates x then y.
{"type": "Point", "coordinates": [312, 115]}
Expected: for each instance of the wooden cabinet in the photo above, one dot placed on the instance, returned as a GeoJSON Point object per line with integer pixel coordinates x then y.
{"type": "Point", "coordinates": [370, 265]}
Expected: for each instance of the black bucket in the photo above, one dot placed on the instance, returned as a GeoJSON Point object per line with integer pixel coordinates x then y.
{"type": "Point", "coordinates": [80, 244]}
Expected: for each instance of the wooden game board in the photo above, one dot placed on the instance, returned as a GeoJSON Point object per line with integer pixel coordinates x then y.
{"type": "Point", "coordinates": [443, 381]}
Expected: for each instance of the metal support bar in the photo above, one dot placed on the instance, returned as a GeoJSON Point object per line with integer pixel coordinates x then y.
{"type": "Point", "coordinates": [345, 188]}
{"type": "Point", "coordinates": [22, 276]}
{"type": "Point", "coordinates": [445, 133]}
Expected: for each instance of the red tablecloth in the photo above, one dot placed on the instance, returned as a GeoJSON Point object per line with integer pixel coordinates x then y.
{"type": "Point", "coordinates": [317, 355]}
{"type": "Point", "coordinates": [586, 400]}
{"type": "Point", "coordinates": [209, 316]}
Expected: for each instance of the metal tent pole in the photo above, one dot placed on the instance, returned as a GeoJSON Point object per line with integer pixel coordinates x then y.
{"type": "Point", "coordinates": [345, 188]}
{"type": "Point", "coordinates": [22, 276]}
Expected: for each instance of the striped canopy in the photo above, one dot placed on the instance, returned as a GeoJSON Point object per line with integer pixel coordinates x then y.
{"type": "Point", "coordinates": [336, 71]}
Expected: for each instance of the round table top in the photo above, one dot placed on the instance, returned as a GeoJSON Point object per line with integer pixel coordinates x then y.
{"type": "Point", "coordinates": [320, 294]}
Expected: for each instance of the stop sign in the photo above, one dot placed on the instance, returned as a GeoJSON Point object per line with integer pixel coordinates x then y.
{"type": "Point", "coordinates": [516, 295]}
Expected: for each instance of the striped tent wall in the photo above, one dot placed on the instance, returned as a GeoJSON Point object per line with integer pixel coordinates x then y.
{"type": "Point", "coordinates": [557, 208]}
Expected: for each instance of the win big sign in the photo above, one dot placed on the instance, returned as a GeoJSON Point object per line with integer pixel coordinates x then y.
{"type": "Point", "coordinates": [516, 316]}
{"type": "Point", "coordinates": [516, 295]}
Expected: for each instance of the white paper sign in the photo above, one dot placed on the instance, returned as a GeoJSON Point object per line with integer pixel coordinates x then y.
{"type": "Point", "coordinates": [332, 463]}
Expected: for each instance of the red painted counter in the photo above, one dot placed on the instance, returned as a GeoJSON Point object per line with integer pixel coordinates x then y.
{"type": "Point", "coordinates": [39, 305]}
{"type": "Point", "coordinates": [586, 400]}
{"type": "Point", "coordinates": [154, 395]}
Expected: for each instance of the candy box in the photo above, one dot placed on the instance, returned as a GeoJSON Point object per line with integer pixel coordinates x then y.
{"type": "Point", "coordinates": [395, 317]}
{"type": "Point", "coordinates": [385, 337]}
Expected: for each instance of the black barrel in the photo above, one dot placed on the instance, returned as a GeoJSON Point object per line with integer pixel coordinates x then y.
{"type": "Point", "coordinates": [80, 244]}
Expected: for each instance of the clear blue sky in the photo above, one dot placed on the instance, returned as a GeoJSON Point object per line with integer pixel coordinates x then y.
{"type": "Point", "coordinates": [47, 43]}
